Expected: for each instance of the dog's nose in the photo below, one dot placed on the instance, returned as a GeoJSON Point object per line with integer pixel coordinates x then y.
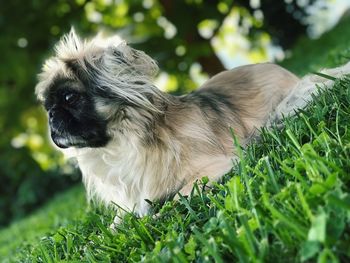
{"type": "Point", "coordinates": [52, 113]}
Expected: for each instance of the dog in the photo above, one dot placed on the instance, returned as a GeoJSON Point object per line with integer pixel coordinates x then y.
{"type": "Point", "coordinates": [134, 142]}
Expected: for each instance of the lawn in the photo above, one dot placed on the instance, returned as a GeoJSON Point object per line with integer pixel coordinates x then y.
{"type": "Point", "coordinates": [286, 201]}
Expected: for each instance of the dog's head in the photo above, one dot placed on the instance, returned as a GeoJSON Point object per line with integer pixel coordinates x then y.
{"type": "Point", "coordinates": [89, 85]}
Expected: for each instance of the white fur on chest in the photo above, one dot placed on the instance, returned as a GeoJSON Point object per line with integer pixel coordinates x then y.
{"type": "Point", "coordinates": [127, 173]}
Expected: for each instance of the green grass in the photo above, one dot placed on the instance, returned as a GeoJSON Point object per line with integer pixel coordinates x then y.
{"type": "Point", "coordinates": [63, 209]}
{"type": "Point", "coordinates": [287, 200]}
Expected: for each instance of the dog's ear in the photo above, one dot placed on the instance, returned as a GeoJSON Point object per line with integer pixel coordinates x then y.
{"type": "Point", "coordinates": [144, 63]}
{"type": "Point", "coordinates": [132, 59]}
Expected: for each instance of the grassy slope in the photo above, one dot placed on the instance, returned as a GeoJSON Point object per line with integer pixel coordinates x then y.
{"type": "Point", "coordinates": [287, 200]}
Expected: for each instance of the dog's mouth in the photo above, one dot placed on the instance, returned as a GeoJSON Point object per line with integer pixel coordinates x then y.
{"type": "Point", "coordinates": [60, 143]}
{"type": "Point", "coordinates": [64, 141]}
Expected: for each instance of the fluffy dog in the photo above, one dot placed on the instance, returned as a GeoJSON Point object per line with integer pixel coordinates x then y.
{"type": "Point", "coordinates": [134, 142]}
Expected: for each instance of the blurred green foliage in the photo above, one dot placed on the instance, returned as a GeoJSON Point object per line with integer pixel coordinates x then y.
{"type": "Point", "coordinates": [178, 34]}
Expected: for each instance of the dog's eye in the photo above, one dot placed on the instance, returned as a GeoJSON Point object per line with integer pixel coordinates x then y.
{"type": "Point", "coordinates": [71, 97]}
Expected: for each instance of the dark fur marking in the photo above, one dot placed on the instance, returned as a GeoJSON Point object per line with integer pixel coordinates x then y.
{"type": "Point", "coordinates": [212, 100]}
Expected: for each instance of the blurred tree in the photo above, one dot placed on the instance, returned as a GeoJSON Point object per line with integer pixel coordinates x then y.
{"type": "Point", "coordinates": [283, 20]}
{"type": "Point", "coordinates": [170, 30]}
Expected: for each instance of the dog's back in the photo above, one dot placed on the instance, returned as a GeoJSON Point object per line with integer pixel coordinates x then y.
{"type": "Point", "coordinates": [254, 91]}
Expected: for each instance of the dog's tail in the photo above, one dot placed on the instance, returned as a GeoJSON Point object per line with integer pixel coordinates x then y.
{"type": "Point", "coordinates": [302, 93]}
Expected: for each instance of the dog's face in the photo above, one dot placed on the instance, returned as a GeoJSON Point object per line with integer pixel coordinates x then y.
{"type": "Point", "coordinates": [89, 87]}
{"type": "Point", "coordinates": [73, 118]}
